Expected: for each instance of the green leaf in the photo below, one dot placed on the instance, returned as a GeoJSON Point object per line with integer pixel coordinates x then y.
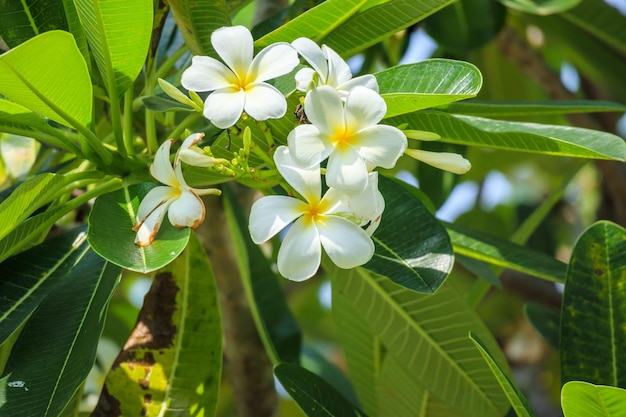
{"type": "Point", "coordinates": [14, 115]}
{"type": "Point", "coordinates": [412, 247]}
{"type": "Point", "coordinates": [22, 20]}
{"type": "Point", "coordinates": [386, 386]}
{"type": "Point", "coordinates": [582, 399]}
{"type": "Point", "coordinates": [30, 232]}
{"type": "Point", "coordinates": [545, 320]}
{"type": "Point", "coordinates": [430, 83]}
{"type": "Point", "coordinates": [315, 23]}
{"type": "Point", "coordinates": [374, 23]}
{"type": "Point", "coordinates": [61, 338]}
{"type": "Point", "coordinates": [517, 136]}
{"type": "Point", "coordinates": [515, 396]}
{"type": "Point", "coordinates": [503, 253]}
{"type": "Point", "coordinates": [119, 52]}
{"type": "Point", "coordinates": [111, 232]}
{"type": "Point", "coordinates": [593, 315]}
{"type": "Point", "coordinates": [26, 279]}
{"type": "Point", "coordinates": [466, 25]}
{"type": "Point", "coordinates": [426, 334]}
{"type": "Point", "coordinates": [197, 20]}
{"type": "Point", "coordinates": [26, 198]}
{"type": "Point", "coordinates": [506, 109]}
{"type": "Point", "coordinates": [177, 371]}
{"type": "Point", "coordinates": [279, 330]}
{"type": "Point", "coordinates": [163, 103]}
{"type": "Point", "coordinates": [600, 20]}
{"type": "Point", "coordinates": [541, 7]}
{"type": "Point", "coordinates": [314, 395]}
{"type": "Point", "coordinates": [62, 92]}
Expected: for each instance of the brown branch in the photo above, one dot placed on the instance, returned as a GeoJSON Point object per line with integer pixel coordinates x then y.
{"type": "Point", "coordinates": [246, 361]}
{"type": "Point", "coordinates": [613, 187]}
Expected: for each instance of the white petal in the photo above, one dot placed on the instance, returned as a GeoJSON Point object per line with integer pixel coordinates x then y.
{"type": "Point", "coordinates": [235, 46]}
{"type": "Point", "coordinates": [300, 253]}
{"type": "Point", "coordinates": [313, 55]}
{"type": "Point", "coordinates": [448, 161]}
{"type": "Point", "coordinates": [150, 226]}
{"type": "Point", "coordinates": [346, 171]}
{"type": "Point", "coordinates": [324, 108]}
{"type": "Point", "coordinates": [264, 101]}
{"type": "Point", "coordinates": [338, 70]}
{"type": "Point", "coordinates": [155, 198]}
{"type": "Point", "coordinates": [271, 214]}
{"type": "Point", "coordinates": [305, 180]}
{"type": "Point", "coordinates": [364, 108]}
{"type": "Point", "coordinates": [369, 204]}
{"type": "Point", "coordinates": [346, 244]}
{"type": "Point", "coordinates": [307, 145]}
{"type": "Point", "coordinates": [382, 145]}
{"type": "Point", "coordinates": [161, 169]}
{"type": "Point", "coordinates": [304, 79]}
{"type": "Point", "coordinates": [191, 140]}
{"type": "Point", "coordinates": [224, 107]}
{"type": "Point", "coordinates": [273, 61]}
{"type": "Point", "coordinates": [206, 74]}
{"type": "Point", "coordinates": [367, 81]}
{"type": "Point", "coordinates": [186, 211]}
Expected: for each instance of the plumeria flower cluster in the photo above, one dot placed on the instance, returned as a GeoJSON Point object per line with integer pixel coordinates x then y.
{"type": "Point", "coordinates": [341, 143]}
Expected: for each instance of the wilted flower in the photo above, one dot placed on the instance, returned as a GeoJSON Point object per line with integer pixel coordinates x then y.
{"type": "Point", "coordinates": [182, 203]}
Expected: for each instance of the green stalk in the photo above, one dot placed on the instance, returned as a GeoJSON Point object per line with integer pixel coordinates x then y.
{"type": "Point", "coordinates": [54, 141]}
{"type": "Point", "coordinates": [128, 121]}
{"type": "Point", "coordinates": [187, 121]}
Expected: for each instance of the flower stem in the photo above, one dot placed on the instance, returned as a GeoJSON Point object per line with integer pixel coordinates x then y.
{"type": "Point", "coordinates": [128, 121]}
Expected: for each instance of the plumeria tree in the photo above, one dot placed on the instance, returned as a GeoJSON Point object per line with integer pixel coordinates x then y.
{"type": "Point", "coordinates": [226, 159]}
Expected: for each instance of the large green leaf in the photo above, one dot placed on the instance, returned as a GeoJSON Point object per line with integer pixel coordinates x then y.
{"type": "Point", "coordinates": [379, 20]}
{"type": "Point", "coordinates": [466, 25]}
{"type": "Point", "coordinates": [177, 370]}
{"type": "Point", "coordinates": [582, 399]}
{"type": "Point", "coordinates": [62, 92]}
{"type": "Point", "coordinates": [26, 279]}
{"type": "Point", "coordinates": [506, 109]}
{"type": "Point", "coordinates": [601, 20]}
{"type": "Point", "coordinates": [22, 20]}
{"type": "Point", "coordinates": [279, 329]}
{"type": "Point", "coordinates": [517, 136]}
{"type": "Point", "coordinates": [593, 316]}
{"type": "Point", "coordinates": [426, 334]}
{"type": "Point", "coordinates": [119, 52]}
{"type": "Point", "coordinates": [504, 253]}
{"type": "Point", "coordinates": [197, 20]}
{"type": "Point", "coordinates": [515, 396]}
{"type": "Point", "coordinates": [434, 82]}
{"type": "Point", "coordinates": [111, 232]}
{"type": "Point", "coordinates": [56, 349]}
{"type": "Point", "coordinates": [315, 23]}
{"type": "Point", "coordinates": [412, 247]}
{"type": "Point", "coordinates": [314, 395]}
{"type": "Point", "coordinates": [26, 198]}
{"type": "Point", "coordinates": [541, 7]}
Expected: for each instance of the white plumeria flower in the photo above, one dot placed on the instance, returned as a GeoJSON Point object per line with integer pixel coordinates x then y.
{"type": "Point", "coordinates": [182, 203]}
{"type": "Point", "coordinates": [349, 136]}
{"type": "Point", "coordinates": [317, 222]}
{"type": "Point", "coordinates": [240, 85]}
{"type": "Point", "coordinates": [447, 161]}
{"type": "Point", "coordinates": [331, 69]}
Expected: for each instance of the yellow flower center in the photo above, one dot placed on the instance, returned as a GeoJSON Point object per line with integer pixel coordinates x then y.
{"type": "Point", "coordinates": [314, 212]}
{"type": "Point", "coordinates": [341, 139]}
